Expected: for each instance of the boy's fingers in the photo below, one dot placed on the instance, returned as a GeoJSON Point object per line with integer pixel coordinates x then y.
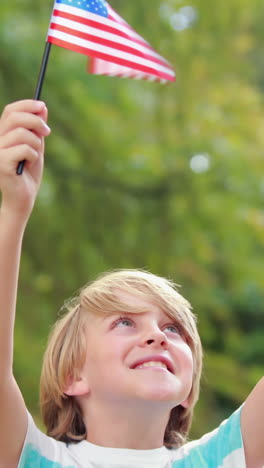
{"type": "Point", "coordinates": [43, 114]}
{"type": "Point", "coordinates": [21, 136]}
{"type": "Point", "coordinates": [21, 152]}
{"type": "Point", "coordinates": [27, 105]}
{"type": "Point", "coordinates": [24, 120]}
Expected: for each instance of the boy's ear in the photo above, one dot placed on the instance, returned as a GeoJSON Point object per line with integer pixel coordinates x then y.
{"type": "Point", "coordinates": [186, 403]}
{"type": "Point", "coordinates": [78, 387]}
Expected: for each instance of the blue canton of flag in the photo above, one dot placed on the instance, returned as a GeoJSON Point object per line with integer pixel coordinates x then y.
{"type": "Point", "coordinates": [98, 7]}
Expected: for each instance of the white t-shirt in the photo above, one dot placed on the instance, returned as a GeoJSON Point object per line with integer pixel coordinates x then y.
{"type": "Point", "coordinates": [221, 448]}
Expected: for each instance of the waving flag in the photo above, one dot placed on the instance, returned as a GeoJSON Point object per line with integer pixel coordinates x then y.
{"type": "Point", "coordinates": [93, 28]}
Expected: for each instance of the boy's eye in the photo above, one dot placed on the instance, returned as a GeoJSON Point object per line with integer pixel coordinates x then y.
{"type": "Point", "coordinates": [173, 328]}
{"type": "Point", "coordinates": [124, 321]}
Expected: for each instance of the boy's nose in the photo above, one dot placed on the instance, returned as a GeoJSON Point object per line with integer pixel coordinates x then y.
{"type": "Point", "coordinates": [156, 339]}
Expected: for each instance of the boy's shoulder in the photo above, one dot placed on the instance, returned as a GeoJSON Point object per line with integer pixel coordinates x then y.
{"type": "Point", "coordinates": [42, 451]}
{"type": "Point", "coordinates": [222, 447]}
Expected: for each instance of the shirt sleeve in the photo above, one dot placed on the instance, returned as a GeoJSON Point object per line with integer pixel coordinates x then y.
{"type": "Point", "coordinates": [221, 448]}
{"type": "Point", "coordinates": [41, 451]}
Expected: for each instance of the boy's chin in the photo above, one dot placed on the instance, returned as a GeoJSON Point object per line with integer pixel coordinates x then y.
{"type": "Point", "coordinates": [163, 394]}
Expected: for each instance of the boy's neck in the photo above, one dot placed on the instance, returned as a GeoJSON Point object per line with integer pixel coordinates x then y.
{"type": "Point", "coordinates": [127, 427]}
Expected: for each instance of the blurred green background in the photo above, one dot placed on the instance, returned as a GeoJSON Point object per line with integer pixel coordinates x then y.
{"type": "Point", "coordinates": [139, 175]}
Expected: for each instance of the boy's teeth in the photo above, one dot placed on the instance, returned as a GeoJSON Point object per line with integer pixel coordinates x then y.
{"type": "Point", "coordinates": [152, 364]}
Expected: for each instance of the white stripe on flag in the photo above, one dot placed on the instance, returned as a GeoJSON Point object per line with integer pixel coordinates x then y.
{"type": "Point", "coordinates": [105, 35]}
{"type": "Point", "coordinates": [109, 51]}
{"type": "Point", "coordinates": [101, 67]}
{"type": "Point", "coordinates": [99, 19]}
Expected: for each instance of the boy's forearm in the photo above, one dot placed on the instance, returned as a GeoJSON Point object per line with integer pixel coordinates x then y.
{"type": "Point", "coordinates": [22, 132]}
{"type": "Point", "coordinates": [11, 236]}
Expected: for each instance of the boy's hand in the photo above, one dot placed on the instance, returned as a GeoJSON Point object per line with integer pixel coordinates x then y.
{"type": "Point", "coordinates": [22, 131]}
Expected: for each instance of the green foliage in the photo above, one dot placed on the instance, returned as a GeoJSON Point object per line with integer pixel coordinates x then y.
{"type": "Point", "coordinates": [119, 190]}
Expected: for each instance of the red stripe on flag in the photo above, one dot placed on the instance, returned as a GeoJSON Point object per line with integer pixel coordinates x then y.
{"type": "Point", "coordinates": [103, 27]}
{"type": "Point", "coordinates": [117, 19]}
{"type": "Point", "coordinates": [119, 61]}
{"type": "Point", "coordinates": [107, 43]}
{"type": "Point", "coordinates": [105, 69]}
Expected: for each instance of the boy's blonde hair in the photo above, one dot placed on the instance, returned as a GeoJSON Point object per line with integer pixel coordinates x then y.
{"type": "Point", "coordinates": [67, 347]}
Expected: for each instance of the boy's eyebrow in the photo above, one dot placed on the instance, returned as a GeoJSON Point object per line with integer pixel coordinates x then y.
{"type": "Point", "coordinates": [117, 314]}
{"type": "Point", "coordinates": [122, 314]}
{"type": "Point", "coordinates": [110, 316]}
{"type": "Point", "coordinates": [140, 313]}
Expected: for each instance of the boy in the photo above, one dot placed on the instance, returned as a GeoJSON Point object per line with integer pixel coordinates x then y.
{"type": "Point", "coordinates": [121, 373]}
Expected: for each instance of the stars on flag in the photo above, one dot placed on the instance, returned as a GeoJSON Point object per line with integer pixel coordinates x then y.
{"type": "Point", "coordinates": [98, 7]}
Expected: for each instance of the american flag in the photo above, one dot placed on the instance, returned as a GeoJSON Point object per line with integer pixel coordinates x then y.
{"type": "Point", "coordinates": [93, 28]}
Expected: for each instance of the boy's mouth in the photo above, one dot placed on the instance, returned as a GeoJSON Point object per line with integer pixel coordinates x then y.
{"type": "Point", "coordinates": [151, 364]}
{"type": "Point", "coordinates": [161, 362]}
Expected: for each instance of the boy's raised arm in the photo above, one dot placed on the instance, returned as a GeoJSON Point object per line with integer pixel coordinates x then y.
{"type": "Point", "coordinates": [252, 424]}
{"type": "Point", "coordinates": [22, 132]}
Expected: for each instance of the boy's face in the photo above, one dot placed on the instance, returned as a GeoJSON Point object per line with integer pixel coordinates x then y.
{"type": "Point", "coordinates": [136, 357]}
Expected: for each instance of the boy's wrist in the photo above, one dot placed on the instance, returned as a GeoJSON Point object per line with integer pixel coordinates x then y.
{"type": "Point", "coordinates": [13, 217]}
{"type": "Point", "coordinates": [17, 204]}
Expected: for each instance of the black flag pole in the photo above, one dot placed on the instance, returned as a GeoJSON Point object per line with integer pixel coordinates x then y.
{"type": "Point", "coordinates": [42, 71]}
{"type": "Point", "coordinates": [38, 89]}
